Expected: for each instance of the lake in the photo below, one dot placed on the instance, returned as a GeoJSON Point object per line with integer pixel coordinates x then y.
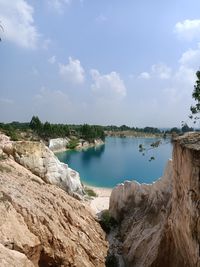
{"type": "Point", "coordinates": [118, 160]}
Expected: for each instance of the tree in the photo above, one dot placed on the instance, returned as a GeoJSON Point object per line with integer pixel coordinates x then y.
{"type": "Point", "coordinates": [35, 124]}
{"type": "Point", "coordinates": [186, 128]}
{"type": "Point", "coordinates": [196, 95]}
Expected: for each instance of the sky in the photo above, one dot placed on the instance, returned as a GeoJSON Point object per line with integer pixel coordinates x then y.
{"type": "Point", "coordinates": [99, 61]}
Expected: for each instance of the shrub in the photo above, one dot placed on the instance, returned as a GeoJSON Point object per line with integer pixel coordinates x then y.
{"type": "Point", "coordinates": [111, 261]}
{"type": "Point", "coordinates": [72, 144]}
{"type": "Point", "coordinates": [107, 222]}
{"type": "Point", "coordinates": [90, 192]}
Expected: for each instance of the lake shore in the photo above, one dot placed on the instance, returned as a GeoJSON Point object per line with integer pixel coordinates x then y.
{"type": "Point", "coordinates": [101, 202]}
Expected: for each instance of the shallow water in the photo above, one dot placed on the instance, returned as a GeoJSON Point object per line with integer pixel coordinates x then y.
{"type": "Point", "coordinates": [118, 160]}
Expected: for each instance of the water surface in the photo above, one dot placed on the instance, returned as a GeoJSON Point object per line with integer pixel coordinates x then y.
{"type": "Point", "coordinates": [118, 160]}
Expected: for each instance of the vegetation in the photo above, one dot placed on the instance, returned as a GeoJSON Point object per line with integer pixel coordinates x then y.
{"type": "Point", "coordinates": [196, 95]}
{"type": "Point", "coordinates": [48, 130]}
{"type": "Point", "coordinates": [123, 128]}
{"type": "Point", "coordinates": [92, 132]}
{"type": "Point", "coordinates": [111, 261]}
{"type": "Point", "coordinates": [72, 144]}
{"type": "Point", "coordinates": [107, 222]}
{"type": "Point", "coordinates": [4, 168]}
{"type": "Point", "coordinates": [90, 192]}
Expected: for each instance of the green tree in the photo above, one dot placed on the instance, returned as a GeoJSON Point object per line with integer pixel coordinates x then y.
{"type": "Point", "coordinates": [185, 128]}
{"type": "Point", "coordinates": [196, 95]}
{"type": "Point", "coordinates": [35, 124]}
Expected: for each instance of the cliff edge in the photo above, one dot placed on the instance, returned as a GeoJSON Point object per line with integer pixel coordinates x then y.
{"type": "Point", "coordinates": [41, 225]}
{"type": "Point", "coordinates": [159, 224]}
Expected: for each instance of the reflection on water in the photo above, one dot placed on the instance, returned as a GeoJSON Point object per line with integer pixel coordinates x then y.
{"type": "Point", "coordinates": [118, 160]}
{"type": "Point", "coordinates": [90, 154]}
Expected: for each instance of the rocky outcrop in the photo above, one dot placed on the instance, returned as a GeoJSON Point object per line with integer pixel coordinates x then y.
{"type": "Point", "coordinates": [141, 211]}
{"type": "Point", "coordinates": [41, 225]}
{"type": "Point", "coordinates": [58, 144]}
{"type": "Point", "coordinates": [159, 224]}
{"type": "Point", "coordinates": [40, 160]}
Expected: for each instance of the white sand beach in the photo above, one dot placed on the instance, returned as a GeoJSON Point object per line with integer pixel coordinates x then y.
{"type": "Point", "coordinates": [101, 202]}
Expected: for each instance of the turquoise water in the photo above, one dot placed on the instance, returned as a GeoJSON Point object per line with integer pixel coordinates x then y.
{"type": "Point", "coordinates": [118, 160]}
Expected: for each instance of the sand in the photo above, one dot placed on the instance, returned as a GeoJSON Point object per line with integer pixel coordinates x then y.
{"type": "Point", "coordinates": [101, 202]}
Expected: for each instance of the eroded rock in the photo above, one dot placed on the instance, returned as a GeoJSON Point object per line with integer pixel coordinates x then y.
{"type": "Point", "coordinates": [159, 224]}
{"type": "Point", "coordinates": [40, 160]}
{"type": "Point", "coordinates": [41, 225]}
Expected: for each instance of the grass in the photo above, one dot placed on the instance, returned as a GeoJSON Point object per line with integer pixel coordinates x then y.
{"type": "Point", "coordinates": [4, 168]}
{"type": "Point", "coordinates": [2, 157]}
{"type": "Point", "coordinates": [90, 192]}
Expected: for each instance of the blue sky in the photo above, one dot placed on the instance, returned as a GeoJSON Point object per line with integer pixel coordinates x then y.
{"type": "Point", "coordinates": [99, 62]}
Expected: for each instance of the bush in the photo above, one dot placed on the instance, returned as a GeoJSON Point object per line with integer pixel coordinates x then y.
{"type": "Point", "coordinates": [72, 144]}
{"type": "Point", "coordinates": [107, 222]}
{"type": "Point", "coordinates": [90, 192]}
{"type": "Point", "coordinates": [111, 261]}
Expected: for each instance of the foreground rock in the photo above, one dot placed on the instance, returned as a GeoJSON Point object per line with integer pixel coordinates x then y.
{"type": "Point", "coordinates": [41, 225]}
{"type": "Point", "coordinates": [159, 224]}
{"type": "Point", "coordinates": [40, 160]}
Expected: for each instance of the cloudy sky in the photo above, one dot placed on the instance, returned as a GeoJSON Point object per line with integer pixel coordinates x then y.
{"type": "Point", "coordinates": [99, 61]}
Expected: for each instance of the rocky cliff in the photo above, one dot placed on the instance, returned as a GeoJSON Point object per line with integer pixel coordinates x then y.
{"type": "Point", "coordinates": [40, 160]}
{"type": "Point", "coordinates": [40, 224]}
{"type": "Point", "coordinates": [58, 144]}
{"type": "Point", "coordinates": [159, 224]}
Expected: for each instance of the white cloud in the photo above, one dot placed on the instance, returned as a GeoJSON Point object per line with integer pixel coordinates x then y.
{"type": "Point", "coordinates": [188, 29]}
{"type": "Point", "coordinates": [58, 5]}
{"type": "Point", "coordinates": [52, 60]}
{"type": "Point", "coordinates": [72, 72]}
{"type": "Point", "coordinates": [101, 18]}
{"type": "Point", "coordinates": [34, 71]}
{"type": "Point", "coordinates": [46, 43]}
{"type": "Point", "coordinates": [49, 103]}
{"type": "Point", "coordinates": [191, 57]}
{"type": "Point", "coordinates": [161, 70]}
{"type": "Point", "coordinates": [108, 85]}
{"type": "Point", "coordinates": [144, 75]}
{"type": "Point", "coordinates": [6, 101]}
{"type": "Point", "coordinates": [17, 20]}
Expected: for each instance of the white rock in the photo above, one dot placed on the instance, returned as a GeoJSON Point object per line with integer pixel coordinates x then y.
{"type": "Point", "coordinates": [58, 144]}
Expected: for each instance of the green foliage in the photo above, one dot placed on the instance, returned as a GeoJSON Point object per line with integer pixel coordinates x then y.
{"type": "Point", "coordinates": [107, 222]}
{"type": "Point", "coordinates": [4, 168]}
{"type": "Point", "coordinates": [185, 128]}
{"type": "Point", "coordinates": [3, 157]}
{"type": "Point", "coordinates": [148, 130]}
{"type": "Point", "coordinates": [196, 95]}
{"type": "Point", "coordinates": [72, 144]}
{"type": "Point", "coordinates": [90, 192]}
{"type": "Point", "coordinates": [35, 124]}
{"type": "Point", "coordinates": [174, 130]}
{"type": "Point", "coordinates": [10, 131]}
{"type": "Point", "coordinates": [91, 132]}
{"type": "Point", "coordinates": [195, 110]}
{"type": "Point", "coordinates": [48, 130]}
{"type": "Point", "coordinates": [111, 261]}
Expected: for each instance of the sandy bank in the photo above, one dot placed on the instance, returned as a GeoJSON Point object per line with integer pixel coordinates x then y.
{"type": "Point", "coordinates": [101, 202]}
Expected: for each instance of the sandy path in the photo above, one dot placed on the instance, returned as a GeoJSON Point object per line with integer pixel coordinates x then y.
{"type": "Point", "coordinates": [102, 201]}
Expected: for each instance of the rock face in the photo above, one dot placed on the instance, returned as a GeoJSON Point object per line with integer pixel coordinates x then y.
{"type": "Point", "coordinates": [41, 161]}
{"type": "Point", "coordinates": [41, 225]}
{"type": "Point", "coordinates": [58, 144]}
{"type": "Point", "coordinates": [159, 224]}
